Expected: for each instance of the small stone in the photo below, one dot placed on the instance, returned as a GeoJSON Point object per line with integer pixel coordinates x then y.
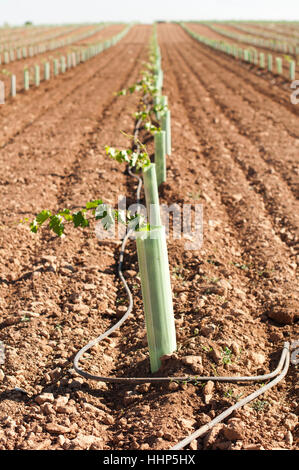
{"type": "Point", "coordinates": [257, 358]}
{"type": "Point", "coordinates": [216, 354]}
{"type": "Point", "coordinates": [225, 284]}
{"type": "Point", "coordinates": [168, 436]}
{"type": "Point", "coordinates": [55, 374]}
{"type": "Point", "coordinates": [47, 408]}
{"type": "Point", "coordinates": [144, 446]}
{"type": "Point", "coordinates": [209, 387]}
{"type": "Point", "coordinates": [291, 421]}
{"type": "Point", "coordinates": [60, 404]}
{"type": "Point", "coordinates": [238, 197]}
{"type": "Point", "coordinates": [193, 445]}
{"type": "Point", "coordinates": [108, 419]}
{"type": "Point", "coordinates": [208, 330]}
{"type": "Point", "coordinates": [45, 397]}
{"type": "Point", "coordinates": [284, 317]}
{"type": "Point", "coordinates": [54, 428]}
{"type": "Point", "coordinates": [81, 308]}
{"type": "Point", "coordinates": [49, 259]}
{"type": "Point", "coordinates": [131, 273]}
{"type": "Point", "coordinates": [173, 386]}
{"type": "Point", "coordinates": [208, 391]}
{"type": "Point", "coordinates": [234, 431]}
{"type": "Point", "coordinates": [28, 314]}
{"type": "Point", "coordinates": [253, 447]}
{"type": "Point", "coordinates": [211, 437]}
{"type": "Point", "coordinates": [61, 440]}
{"type": "Point", "coordinates": [289, 438]}
{"type": "Point", "coordinates": [85, 442]}
{"type": "Point", "coordinates": [195, 362]}
{"type": "Point", "coordinates": [90, 286]}
{"type": "Point", "coordinates": [2, 375]}
{"type": "Point", "coordinates": [144, 388]}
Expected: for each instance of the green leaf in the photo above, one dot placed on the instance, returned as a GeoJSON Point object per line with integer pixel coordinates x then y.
{"type": "Point", "coordinates": [43, 216]}
{"type": "Point", "coordinates": [93, 204]}
{"type": "Point", "coordinates": [56, 224]}
{"type": "Point", "coordinates": [33, 226]}
{"type": "Point", "coordinates": [79, 220]}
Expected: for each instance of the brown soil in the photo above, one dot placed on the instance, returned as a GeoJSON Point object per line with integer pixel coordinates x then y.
{"type": "Point", "coordinates": [234, 151]}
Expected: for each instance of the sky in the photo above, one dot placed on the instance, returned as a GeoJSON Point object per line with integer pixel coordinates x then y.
{"type": "Point", "coordinates": [16, 12]}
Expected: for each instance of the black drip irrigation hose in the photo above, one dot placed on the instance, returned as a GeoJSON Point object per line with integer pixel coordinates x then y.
{"type": "Point", "coordinates": [277, 375]}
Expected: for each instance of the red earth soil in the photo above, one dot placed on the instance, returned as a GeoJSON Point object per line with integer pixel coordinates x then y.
{"type": "Point", "coordinates": [235, 151]}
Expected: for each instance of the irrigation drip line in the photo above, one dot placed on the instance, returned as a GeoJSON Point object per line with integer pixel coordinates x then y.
{"type": "Point", "coordinates": [285, 357]}
{"type": "Point", "coordinates": [277, 375]}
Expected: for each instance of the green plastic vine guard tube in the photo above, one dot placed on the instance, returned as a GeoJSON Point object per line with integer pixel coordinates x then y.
{"type": "Point", "coordinates": [47, 71]}
{"type": "Point", "coordinates": [163, 102]}
{"type": "Point", "coordinates": [160, 157]}
{"type": "Point", "coordinates": [151, 194]}
{"type": "Point", "coordinates": [246, 55]}
{"type": "Point", "coordinates": [262, 60]}
{"type": "Point", "coordinates": [279, 65]}
{"type": "Point", "coordinates": [292, 69]}
{"type": "Point", "coordinates": [69, 60]}
{"type": "Point", "coordinates": [55, 67]}
{"type": "Point", "coordinates": [156, 293]}
{"type": "Point", "coordinates": [270, 61]}
{"type": "Point", "coordinates": [36, 75]}
{"type": "Point", "coordinates": [166, 126]}
{"type": "Point", "coordinates": [26, 80]}
{"type": "Point", "coordinates": [13, 86]}
{"type": "Point", "coordinates": [74, 59]}
{"type": "Point", "coordinates": [62, 64]}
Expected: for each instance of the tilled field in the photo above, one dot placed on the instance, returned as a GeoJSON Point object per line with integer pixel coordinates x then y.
{"type": "Point", "coordinates": [235, 151]}
{"type": "Point", "coordinates": [282, 79]}
{"type": "Point", "coordinates": [17, 67]}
